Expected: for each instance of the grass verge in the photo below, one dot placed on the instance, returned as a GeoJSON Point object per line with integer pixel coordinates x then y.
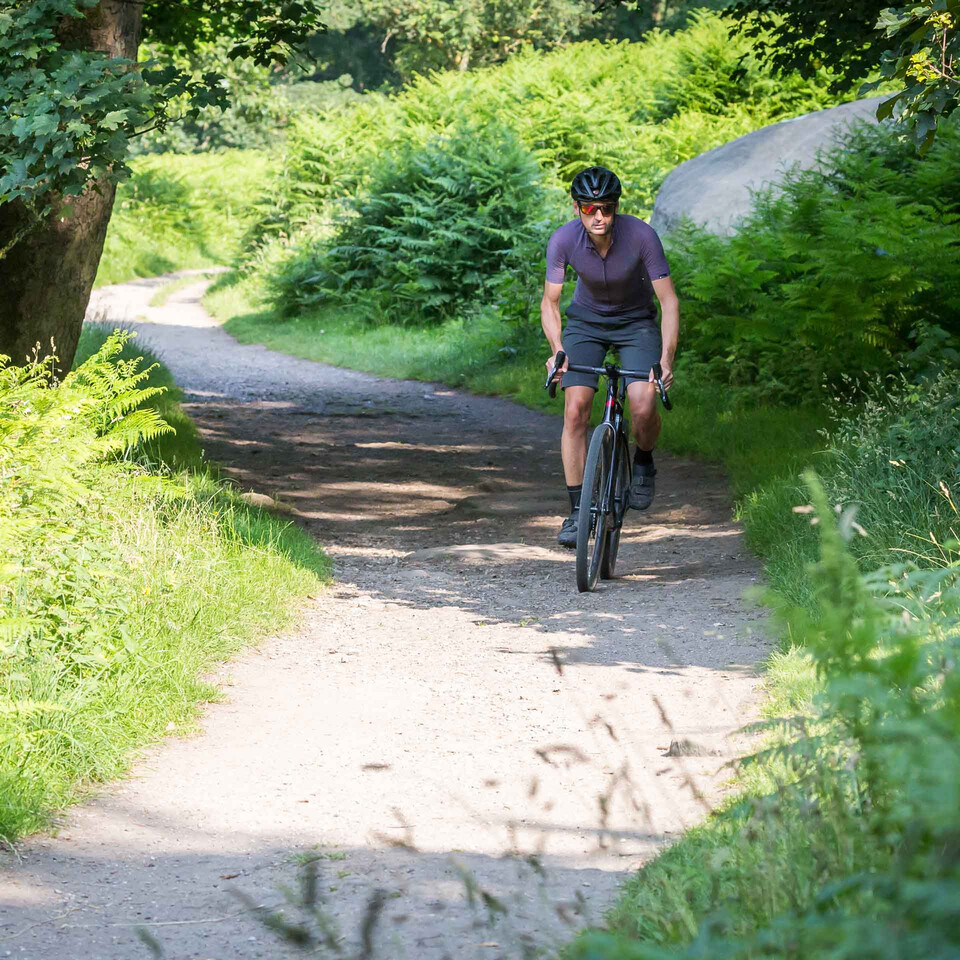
{"type": "Point", "coordinates": [126, 579]}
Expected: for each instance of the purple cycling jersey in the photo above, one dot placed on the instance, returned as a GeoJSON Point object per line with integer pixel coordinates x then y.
{"type": "Point", "coordinates": [617, 285]}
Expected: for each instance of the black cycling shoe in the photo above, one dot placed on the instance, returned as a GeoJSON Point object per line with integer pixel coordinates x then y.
{"type": "Point", "coordinates": [643, 486]}
{"type": "Point", "coordinates": [567, 537]}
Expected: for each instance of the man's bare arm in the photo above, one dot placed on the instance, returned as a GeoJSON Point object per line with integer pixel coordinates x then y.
{"type": "Point", "coordinates": [669, 325]}
{"type": "Point", "coordinates": [550, 320]}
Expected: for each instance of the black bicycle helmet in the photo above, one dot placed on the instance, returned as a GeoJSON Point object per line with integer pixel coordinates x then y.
{"type": "Point", "coordinates": [595, 183]}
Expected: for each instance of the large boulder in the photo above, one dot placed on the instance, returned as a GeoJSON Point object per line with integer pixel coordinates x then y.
{"type": "Point", "coordinates": [714, 189]}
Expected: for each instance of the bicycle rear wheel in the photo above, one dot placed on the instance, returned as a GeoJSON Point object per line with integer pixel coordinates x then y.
{"type": "Point", "coordinates": [592, 524]}
{"type": "Point", "coordinates": [621, 493]}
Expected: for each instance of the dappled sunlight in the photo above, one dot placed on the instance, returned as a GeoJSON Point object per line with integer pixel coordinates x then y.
{"type": "Point", "coordinates": [441, 707]}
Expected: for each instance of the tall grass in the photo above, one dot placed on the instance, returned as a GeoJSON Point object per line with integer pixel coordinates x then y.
{"type": "Point", "coordinates": [180, 212]}
{"type": "Point", "coordinates": [838, 843]}
{"type": "Point", "coordinates": [122, 581]}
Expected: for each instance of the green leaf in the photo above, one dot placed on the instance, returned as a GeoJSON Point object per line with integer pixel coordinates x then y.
{"type": "Point", "coordinates": [885, 109]}
{"type": "Point", "coordinates": [113, 119]}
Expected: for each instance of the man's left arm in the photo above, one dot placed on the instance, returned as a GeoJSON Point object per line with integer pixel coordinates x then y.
{"type": "Point", "coordinates": [669, 325]}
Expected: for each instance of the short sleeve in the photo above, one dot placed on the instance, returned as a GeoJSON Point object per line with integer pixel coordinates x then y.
{"type": "Point", "coordinates": [654, 259]}
{"type": "Point", "coordinates": [556, 258]}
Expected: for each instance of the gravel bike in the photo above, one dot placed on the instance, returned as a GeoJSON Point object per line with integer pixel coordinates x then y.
{"type": "Point", "coordinates": [606, 478]}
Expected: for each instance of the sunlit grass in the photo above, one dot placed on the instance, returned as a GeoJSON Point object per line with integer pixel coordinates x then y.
{"type": "Point", "coordinates": [181, 211]}
{"type": "Point", "coordinates": [180, 573]}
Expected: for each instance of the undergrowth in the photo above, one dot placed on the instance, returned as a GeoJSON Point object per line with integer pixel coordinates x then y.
{"type": "Point", "coordinates": [851, 851]}
{"type": "Point", "coordinates": [122, 580]}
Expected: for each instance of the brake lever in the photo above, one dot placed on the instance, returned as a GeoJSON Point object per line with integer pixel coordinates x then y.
{"type": "Point", "coordinates": [551, 385]}
{"type": "Point", "coordinates": [658, 379]}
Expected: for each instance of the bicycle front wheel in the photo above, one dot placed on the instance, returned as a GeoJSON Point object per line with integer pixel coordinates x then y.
{"type": "Point", "coordinates": [592, 524]}
{"type": "Point", "coordinates": [621, 494]}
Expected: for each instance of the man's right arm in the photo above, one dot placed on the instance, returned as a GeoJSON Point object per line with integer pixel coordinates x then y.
{"type": "Point", "coordinates": [550, 320]}
{"type": "Point", "coordinates": [550, 304]}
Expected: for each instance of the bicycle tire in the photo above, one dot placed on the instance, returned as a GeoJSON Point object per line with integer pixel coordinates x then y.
{"type": "Point", "coordinates": [621, 494]}
{"type": "Point", "coordinates": [592, 525]}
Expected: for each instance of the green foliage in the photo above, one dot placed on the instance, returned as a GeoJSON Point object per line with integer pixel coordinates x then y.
{"type": "Point", "coordinates": [119, 581]}
{"type": "Point", "coordinates": [896, 458]}
{"type": "Point", "coordinates": [839, 273]}
{"type": "Point", "coordinates": [261, 101]}
{"type": "Point", "coordinates": [436, 225]}
{"type": "Point", "coordinates": [801, 37]}
{"type": "Point", "coordinates": [176, 449]}
{"type": "Point", "coordinates": [852, 855]}
{"type": "Point", "coordinates": [914, 46]}
{"type": "Point", "coordinates": [925, 49]}
{"type": "Point", "coordinates": [384, 44]}
{"type": "Point", "coordinates": [255, 118]}
{"type": "Point", "coordinates": [68, 111]}
{"type": "Point", "coordinates": [639, 108]}
{"type": "Point", "coordinates": [180, 212]}
{"type": "Point", "coordinates": [440, 34]}
{"type": "Point", "coordinates": [265, 31]}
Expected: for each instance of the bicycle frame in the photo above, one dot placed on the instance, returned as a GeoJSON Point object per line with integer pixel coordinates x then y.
{"type": "Point", "coordinates": [612, 416]}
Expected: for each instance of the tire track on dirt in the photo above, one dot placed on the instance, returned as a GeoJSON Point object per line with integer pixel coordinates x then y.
{"type": "Point", "coordinates": [415, 726]}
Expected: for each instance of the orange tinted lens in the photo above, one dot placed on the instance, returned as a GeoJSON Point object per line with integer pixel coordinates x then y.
{"type": "Point", "coordinates": [591, 208]}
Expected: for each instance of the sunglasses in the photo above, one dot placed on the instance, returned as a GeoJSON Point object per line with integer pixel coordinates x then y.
{"type": "Point", "coordinates": [605, 209]}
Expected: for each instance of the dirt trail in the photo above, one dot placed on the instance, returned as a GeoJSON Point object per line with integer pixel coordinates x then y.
{"type": "Point", "coordinates": [416, 724]}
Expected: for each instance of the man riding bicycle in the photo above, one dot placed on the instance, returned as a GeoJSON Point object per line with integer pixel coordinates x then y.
{"type": "Point", "coordinates": [620, 264]}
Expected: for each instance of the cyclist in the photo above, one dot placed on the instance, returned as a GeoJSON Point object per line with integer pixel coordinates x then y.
{"type": "Point", "coordinates": [620, 265]}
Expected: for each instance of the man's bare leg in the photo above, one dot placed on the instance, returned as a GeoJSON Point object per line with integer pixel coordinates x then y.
{"type": "Point", "coordinates": [646, 429]}
{"type": "Point", "coordinates": [577, 404]}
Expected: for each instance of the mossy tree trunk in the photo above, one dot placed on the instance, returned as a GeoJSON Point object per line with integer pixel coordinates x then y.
{"type": "Point", "coordinates": [47, 275]}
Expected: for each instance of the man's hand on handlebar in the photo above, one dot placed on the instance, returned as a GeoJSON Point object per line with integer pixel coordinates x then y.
{"type": "Point", "coordinates": [666, 377]}
{"type": "Point", "coordinates": [551, 363]}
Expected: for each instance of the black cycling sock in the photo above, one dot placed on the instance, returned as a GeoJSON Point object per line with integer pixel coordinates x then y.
{"type": "Point", "coordinates": [574, 493]}
{"type": "Point", "coordinates": [643, 458]}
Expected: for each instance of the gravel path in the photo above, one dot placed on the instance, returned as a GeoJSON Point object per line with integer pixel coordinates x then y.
{"type": "Point", "coordinates": [416, 728]}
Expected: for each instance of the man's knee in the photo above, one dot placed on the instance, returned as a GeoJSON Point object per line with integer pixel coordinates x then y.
{"type": "Point", "coordinates": [576, 410]}
{"type": "Point", "coordinates": [643, 404]}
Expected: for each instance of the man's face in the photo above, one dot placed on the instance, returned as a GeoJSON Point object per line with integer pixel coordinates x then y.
{"type": "Point", "coordinates": [599, 220]}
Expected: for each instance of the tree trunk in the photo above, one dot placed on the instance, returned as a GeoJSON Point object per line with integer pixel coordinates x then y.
{"type": "Point", "coordinates": [47, 276]}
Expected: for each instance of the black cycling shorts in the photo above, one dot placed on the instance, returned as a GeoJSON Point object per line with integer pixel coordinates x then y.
{"type": "Point", "coordinates": [587, 337]}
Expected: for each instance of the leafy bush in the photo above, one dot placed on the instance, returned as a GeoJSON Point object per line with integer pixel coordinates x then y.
{"type": "Point", "coordinates": [843, 272]}
{"type": "Point", "coordinates": [262, 101]}
{"type": "Point", "coordinates": [255, 119]}
{"type": "Point", "coordinates": [640, 108]}
{"type": "Point", "coordinates": [435, 224]}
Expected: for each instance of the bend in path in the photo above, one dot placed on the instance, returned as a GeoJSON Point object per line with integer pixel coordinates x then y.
{"type": "Point", "coordinates": [416, 724]}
